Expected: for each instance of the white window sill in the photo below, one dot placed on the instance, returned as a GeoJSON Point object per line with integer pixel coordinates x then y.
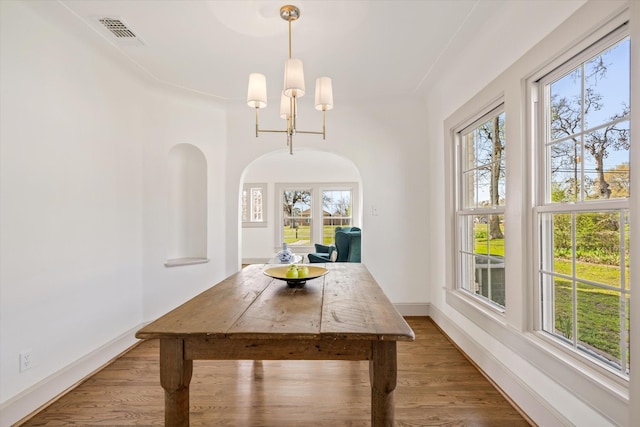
{"type": "Point", "coordinates": [178, 262]}
{"type": "Point", "coordinates": [256, 224]}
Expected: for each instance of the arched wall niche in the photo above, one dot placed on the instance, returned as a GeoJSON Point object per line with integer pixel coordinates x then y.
{"type": "Point", "coordinates": [187, 242]}
{"type": "Point", "coordinates": [306, 165]}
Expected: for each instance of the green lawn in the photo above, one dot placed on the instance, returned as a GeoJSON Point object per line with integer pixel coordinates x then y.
{"type": "Point", "coordinates": [299, 236]}
{"type": "Point", "coordinates": [598, 316]}
{"type": "Point", "coordinates": [598, 310]}
{"type": "Point", "coordinates": [490, 247]}
{"type": "Point", "coordinates": [302, 235]}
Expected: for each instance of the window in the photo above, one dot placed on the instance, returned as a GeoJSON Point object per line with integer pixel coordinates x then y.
{"type": "Point", "coordinates": [582, 207]}
{"type": "Point", "coordinates": [480, 200]}
{"type": "Point", "coordinates": [254, 205]}
{"type": "Point", "coordinates": [297, 216]}
{"type": "Point", "coordinates": [309, 213]}
{"type": "Point", "coordinates": [336, 212]}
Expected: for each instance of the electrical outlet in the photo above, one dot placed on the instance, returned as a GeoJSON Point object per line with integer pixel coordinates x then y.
{"type": "Point", "coordinates": [26, 360]}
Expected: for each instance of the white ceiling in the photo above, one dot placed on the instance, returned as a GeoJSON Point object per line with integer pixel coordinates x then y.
{"type": "Point", "coordinates": [371, 49]}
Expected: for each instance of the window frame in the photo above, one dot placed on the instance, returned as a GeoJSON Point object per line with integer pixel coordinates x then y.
{"type": "Point", "coordinates": [247, 187]}
{"type": "Point", "coordinates": [324, 189]}
{"type": "Point", "coordinates": [280, 189]}
{"type": "Point", "coordinates": [482, 115]}
{"type": "Point", "coordinates": [541, 192]}
{"type": "Point", "coordinates": [317, 225]}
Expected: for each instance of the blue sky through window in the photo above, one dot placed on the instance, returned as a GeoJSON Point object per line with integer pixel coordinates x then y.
{"type": "Point", "coordinates": [607, 76]}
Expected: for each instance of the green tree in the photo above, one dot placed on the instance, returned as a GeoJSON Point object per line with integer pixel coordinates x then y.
{"type": "Point", "coordinates": [599, 142]}
{"type": "Point", "coordinates": [618, 178]}
{"type": "Point", "coordinates": [291, 202]}
{"type": "Point", "coordinates": [493, 133]}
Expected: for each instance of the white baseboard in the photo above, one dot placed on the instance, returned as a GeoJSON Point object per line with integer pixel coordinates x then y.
{"type": "Point", "coordinates": [536, 407]}
{"type": "Point", "coordinates": [47, 390]}
{"type": "Point", "coordinates": [255, 260]}
{"type": "Point", "coordinates": [413, 309]}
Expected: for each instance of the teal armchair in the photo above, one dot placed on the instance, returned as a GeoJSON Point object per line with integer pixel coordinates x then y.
{"type": "Point", "coordinates": [347, 247]}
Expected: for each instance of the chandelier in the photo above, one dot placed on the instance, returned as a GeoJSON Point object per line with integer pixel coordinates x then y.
{"type": "Point", "coordinates": [293, 89]}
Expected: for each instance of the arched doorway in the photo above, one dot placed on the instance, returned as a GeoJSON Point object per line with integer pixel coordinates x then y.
{"type": "Point", "coordinates": [316, 171]}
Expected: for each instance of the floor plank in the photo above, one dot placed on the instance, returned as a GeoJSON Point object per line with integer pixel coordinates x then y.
{"type": "Point", "coordinates": [437, 386]}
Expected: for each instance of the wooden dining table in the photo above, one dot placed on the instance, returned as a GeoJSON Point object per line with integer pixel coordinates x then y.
{"type": "Point", "coordinates": [343, 315]}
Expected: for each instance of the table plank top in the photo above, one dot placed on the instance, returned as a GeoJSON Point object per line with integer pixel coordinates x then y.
{"type": "Point", "coordinates": [346, 303]}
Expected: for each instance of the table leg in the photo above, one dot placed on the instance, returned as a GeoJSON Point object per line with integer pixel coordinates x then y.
{"type": "Point", "coordinates": [175, 376]}
{"type": "Point", "coordinates": [383, 376]}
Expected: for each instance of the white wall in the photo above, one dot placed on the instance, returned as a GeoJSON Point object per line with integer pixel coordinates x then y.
{"type": "Point", "coordinates": [181, 118]}
{"type": "Point", "coordinates": [545, 383]}
{"type": "Point", "coordinates": [84, 200]}
{"type": "Point", "coordinates": [386, 143]}
{"type": "Point", "coordinates": [71, 182]}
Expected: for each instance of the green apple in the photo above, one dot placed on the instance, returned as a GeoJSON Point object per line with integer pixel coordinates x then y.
{"type": "Point", "coordinates": [292, 273]}
{"type": "Point", "coordinates": [303, 271]}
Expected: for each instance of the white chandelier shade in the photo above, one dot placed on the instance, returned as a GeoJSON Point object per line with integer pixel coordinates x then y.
{"type": "Point", "coordinates": [285, 106]}
{"type": "Point", "coordinates": [293, 78]}
{"type": "Point", "coordinates": [324, 94]}
{"type": "Point", "coordinates": [257, 91]}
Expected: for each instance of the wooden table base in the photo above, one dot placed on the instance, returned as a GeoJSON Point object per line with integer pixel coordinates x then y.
{"type": "Point", "coordinates": [176, 371]}
{"type": "Point", "coordinates": [383, 373]}
{"type": "Point", "coordinates": [175, 376]}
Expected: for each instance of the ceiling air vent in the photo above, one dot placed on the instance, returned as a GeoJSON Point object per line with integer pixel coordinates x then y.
{"type": "Point", "coordinates": [123, 34]}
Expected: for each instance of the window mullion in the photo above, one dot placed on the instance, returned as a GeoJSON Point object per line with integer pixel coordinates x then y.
{"type": "Point", "coordinates": [623, 294]}
{"type": "Point", "coordinates": [574, 284]}
{"type": "Point", "coordinates": [582, 135]}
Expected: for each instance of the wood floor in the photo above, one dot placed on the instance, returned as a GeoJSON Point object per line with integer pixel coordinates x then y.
{"type": "Point", "coordinates": [437, 386]}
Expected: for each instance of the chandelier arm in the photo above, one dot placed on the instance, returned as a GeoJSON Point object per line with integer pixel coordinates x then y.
{"type": "Point", "coordinates": [271, 130]}
{"type": "Point", "coordinates": [309, 132]}
{"type": "Point", "coordinates": [294, 112]}
{"type": "Point", "coordinates": [257, 127]}
{"type": "Point", "coordinates": [290, 122]}
{"type": "Point", "coordinates": [324, 122]}
{"type": "Point", "coordinates": [258, 130]}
